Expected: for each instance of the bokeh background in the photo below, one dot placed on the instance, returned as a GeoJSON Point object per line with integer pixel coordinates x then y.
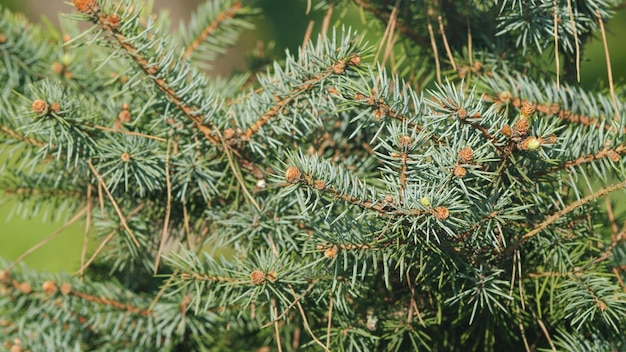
{"type": "Point", "coordinates": [282, 26]}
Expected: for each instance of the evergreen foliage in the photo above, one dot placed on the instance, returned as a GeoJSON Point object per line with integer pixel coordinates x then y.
{"type": "Point", "coordinates": [442, 191]}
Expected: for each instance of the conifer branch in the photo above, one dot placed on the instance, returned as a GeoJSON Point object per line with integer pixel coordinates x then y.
{"type": "Point", "coordinates": [212, 27]}
{"type": "Point", "coordinates": [151, 71]}
{"type": "Point", "coordinates": [572, 206]}
{"type": "Point", "coordinates": [114, 203]}
{"type": "Point", "coordinates": [11, 133]}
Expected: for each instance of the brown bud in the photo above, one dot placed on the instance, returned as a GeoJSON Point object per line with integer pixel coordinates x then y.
{"type": "Point", "coordinates": [3, 38]}
{"type": "Point", "coordinates": [228, 133]}
{"type": "Point", "coordinates": [257, 277]}
{"type": "Point", "coordinates": [58, 67]}
{"type": "Point", "coordinates": [49, 287]}
{"type": "Point", "coordinates": [293, 174]}
{"type": "Point", "coordinates": [405, 141]}
{"type": "Point", "coordinates": [522, 126]}
{"type": "Point", "coordinates": [355, 60]}
{"type": "Point", "coordinates": [124, 116]}
{"type": "Point", "coordinates": [459, 171]}
{"type": "Point", "coordinates": [339, 67]}
{"type": "Point", "coordinates": [25, 288]}
{"type": "Point", "coordinates": [507, 130]}
{"type": "Point", "coordinates": [441, 213]}
{"type": "Point", "coordinates": [527, 109]}
{"type": "Point", "coordinates": [359, 97]}
{"type": "Point", "coordinates": [331, 253]}
{"type": "Point", "coordinates": [462, 113]}
{"type": "Point", "coordinates": [112, 21]}
{"type": "Point", "coordinates": [505, 96]}
{"type": "Point", "coordinates": [466, 155]}
{"type": "Point", "coordinates": [40, 106]}
{"type": "Point", "coordinates": [530, 143]}
{"type": "Point", "coordinates": [125, 157]}
{"type": "Point", "coordinates": [551, 139]}
{"type": "Point", "coordinates": [271, 277]}
{"type": "Point", "coordinates": [389, 199]}
{"type": "Point", "coordinates": [86, 6]}
{"type": "Point", "coordinates": [66, 288]}
{"type": "Point", "coordinates": [4, 275]}
{"type": "Point", "coordinates": [477, 66]}
{"type": "Point", "coordinates": [319, 184]}
{"type": "Point", "coordinates": [55, 107]}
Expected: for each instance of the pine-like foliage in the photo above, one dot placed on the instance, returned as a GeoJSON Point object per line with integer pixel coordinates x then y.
{"type": "Point", "coordinates": [439, 189]}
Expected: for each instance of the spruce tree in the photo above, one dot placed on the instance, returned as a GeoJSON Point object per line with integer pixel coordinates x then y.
{"type": "Point", "coordinates": [441, 185]}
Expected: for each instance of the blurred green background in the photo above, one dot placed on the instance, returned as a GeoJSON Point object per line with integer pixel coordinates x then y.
{"type": "Point", "coordinates": [284, 22]}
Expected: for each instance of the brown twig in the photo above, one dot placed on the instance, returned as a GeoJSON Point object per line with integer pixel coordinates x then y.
{"type": "Point", "coordinates": [546, 333]}
{"type": "Point", "coordinates": [48, 239]}
{"type": "Point", "coordinates": [330, 320]}
{"type": "Point", "coordinates": [556, 216]}
{"type": "Point", "coordinates": [433, 44]}
{"type": "Point", "coordinates": [104, 242]}
{"type": "Point", "coordinates": [573, 22]}
{"type": "Point", "coordinates": [83, 253]}
{"type": "Point", "coordinates": [306, 322]}
{"type": "Point", "coordinates": [557, 59]}
{"type": "Point", "coordinates": [114, 202]}
{"type": "Point", "coordinates": [212, 27]}
{"type": "Point", "coordinates": [276, 327]}
{"type": "Point", "coordinates": [11, 133]}
{"type": "Point", "coordinates": [608, 66]}
{"type": "Point", "coordinates": [130, 133]}
{"type": "Point", "coordinates": [442, 31]}
{"type": "Point", "coordinates": [168, 208]}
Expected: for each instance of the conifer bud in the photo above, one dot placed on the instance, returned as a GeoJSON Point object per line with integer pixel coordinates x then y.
{"type": "Point", "coordinates": [55, 107]}
{"type": "Point", "coordinates": [49, 287]}
{"type": "Point", "coordinates": [271, 277]}
{"type": "Point", "coordinates": [86, 6]}
{"type": "Point", "coordinates": [459, 171]}
{"type": "Point", "coordinates": [466, 155]}
{"type": "Point", "coordinates": [462, 113]}
{"type": "Point", "coordinates": [125, 157]}
{"type": "Point", "coordinates": [124, 116]}
{"type": "Point", "coordinates": [319, 184]}
{"type": "Point", "coordinates": [533, 143]}
{"type": "Point", "coordinates": [339, 67]}
{"type": "Point", "coordinates": [522, 126]}
{"type": "Point", "coordinates": [359, 97]}
{"type": "Point", "coordinates": [507, 130]}
{"type": "Point", "coordinates": [355, 60]}
{"type": "Point", "coordinates": [25, 288]}
{"type": "Point", "coordinates": [3, 38]}
{"type": "Point", "coordinates": [293, 174]}
{"type": "Point", "coordinates": [527, 109]}
{"type": "Point", "coordinates": [505, 96]}
{"type": "Point", "coordinates": [66, 288]}
{"type": "Point", "coordinates": [257, 277]}
{"type": "Point", "coordinates": [40, 106]}
{"type": "Point", "coordinates": [112, 21]}
{"type": "Point", "coordinates": [425, 201]}
{"type": "Point", "coordinates": [4, 275]}
{"type": "Point", "coordinates": [228, 133]}
{"type": "Point", "coordinates": [441, 213]}
{"type": "Point", "coordinates": [405, 141]}
{"type": "Point", "coordinates": [331, 253]}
